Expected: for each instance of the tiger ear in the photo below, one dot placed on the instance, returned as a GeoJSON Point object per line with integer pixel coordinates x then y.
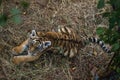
{"type": "Point", "coordinates": [32, 34]}
{"type": "Point", "coordinates": [46, 44]}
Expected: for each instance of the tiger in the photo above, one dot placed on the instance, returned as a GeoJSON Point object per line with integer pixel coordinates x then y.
{"type": "Point", "coordinates": [24, 45]}
{"type": "Point", "coordinates": [22, 53]}
{"type": "Point", "coordinates": [65, 39]}
{"type": "Point", "coordinates": [17, 59]}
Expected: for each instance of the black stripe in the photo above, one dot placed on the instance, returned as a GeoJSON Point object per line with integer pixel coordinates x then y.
{"type": "Point", "coordinates": [94, 39]}
{"type": "Point", "coordinates": [99, 42]}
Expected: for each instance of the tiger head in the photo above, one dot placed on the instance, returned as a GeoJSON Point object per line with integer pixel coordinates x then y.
{"type": "Point", "coordinates": [33, 53]}
{"type": "Point", "coordinates": [29, 48]}
{"type": "Point", "coordinates": [25, 44]}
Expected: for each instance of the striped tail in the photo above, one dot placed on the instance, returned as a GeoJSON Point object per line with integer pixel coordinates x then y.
{"type": "Point", "coordinates": [99, 42]}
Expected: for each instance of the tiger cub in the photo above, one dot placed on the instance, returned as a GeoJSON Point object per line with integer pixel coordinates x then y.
{"type": "Point", "coordinates": [25, 44]}
{"type": "Point", "coordinates": [65, 38]}
{"type": "Point", "coordinates": [33, 53]}
{"type": "Point", "coordinates": [27, 47]}
{"type": "Point", "coordinates": [69, 42]}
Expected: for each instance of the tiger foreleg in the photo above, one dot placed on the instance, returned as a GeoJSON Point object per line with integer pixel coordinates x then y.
{"type": "Point", "coordinates": [24, 58]}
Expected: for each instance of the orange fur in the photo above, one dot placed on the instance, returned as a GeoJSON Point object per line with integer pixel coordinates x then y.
{"type": "Point", "coordinates": [62, 40]}
{"type": "Point", "coordinates": [53, 35]}
{"type": "Point", "coordinates": [26, 58]}
{"type": "Point", "coordinates": [20, 48]}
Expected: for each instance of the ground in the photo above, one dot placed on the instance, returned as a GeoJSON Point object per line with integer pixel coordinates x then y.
{"type": "Point", "coordinates": [47, 15]}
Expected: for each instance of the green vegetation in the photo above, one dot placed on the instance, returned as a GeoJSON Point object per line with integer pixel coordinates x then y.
{"type": "Point", "coordinates": [111, 35]}
{"type": "Point", "coordinates": [14, 14]}
{"type": "Point", "coordinates": [24, 4]}
{"type": "Point", "coordinates": [3, 19]}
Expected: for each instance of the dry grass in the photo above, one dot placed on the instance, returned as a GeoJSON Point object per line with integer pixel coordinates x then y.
{"type": "Point", "coordinates": [44, 15]}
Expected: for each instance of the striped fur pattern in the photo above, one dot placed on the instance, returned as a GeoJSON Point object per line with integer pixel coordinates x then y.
{"type": "Point", "coordinates": [26, 45]}
{"type": "Point", "coordinates": [65, 38]}
{"type": "Point", "coordinates": [69, 42]}
{"type": "Point", "coordinates": [101, 43]}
